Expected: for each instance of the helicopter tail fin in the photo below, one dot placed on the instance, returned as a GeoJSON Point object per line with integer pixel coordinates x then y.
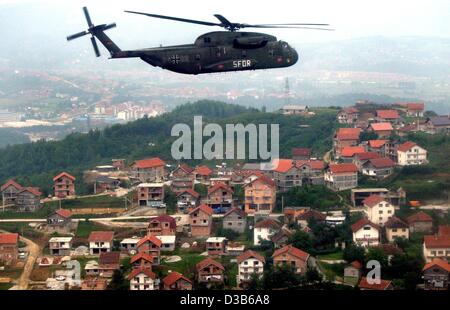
{"type": "Point", "coordinates": [97, 32]}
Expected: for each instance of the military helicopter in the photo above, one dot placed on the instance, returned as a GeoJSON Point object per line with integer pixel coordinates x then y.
{"type": "Point", "coordinates": [217, 51]}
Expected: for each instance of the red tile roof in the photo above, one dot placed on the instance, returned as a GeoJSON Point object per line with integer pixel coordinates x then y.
{"type": "Point", "coordinates": [313, 164]}
{"type": "Point", "coordinates": [101, 236]}
{"type": "Point", "coordinates": [361, 223]}
{"type": "Point", "coordinates": [292, 251]}
{"type": "Point", "coordinates": [145, 256]}
{"type": "Point", "coordinates": [348, 133]}
{"type": "Point", "coordinates": [250, 254]}
{"type": "Point", "coordinates": [395, 222]}
{"type": "Point", "coordinates": [437, 262]}
{"type": "Point", "coordinates": [388, 114]}
{"type": "Point", "coordinates": [64, 213]}
{"type": "Point", "coordinates": [311, 214]}
{"type": "Point", "coordinates": [173, 277]}
{"type": "Point", "coordinates": [203, 170]}
{"type": "Point", "coordinates": [264, 179]}
{"type": "Point", "coordinates": [268, 223]}
{"type": "Point", "coordinates": [419, 217]}
{"type": "Point", "coordinates": [34, 190]}
{"type": "Point", "coordinates": [9, 238]}
{"type": "Point", "coordinates": [350, 110]}
{"type": "Point", "coordinates": [381, 126]}
{"type": "Point", "coordinates": [64, 174]}
{"type": "Point", "coordinates": [151, 239]}
{"type": "Point", "coordinates": [356, 264]}
{"type": "Point", "coordinates": [219, 185]}
{"type": "Point", "coordinates": [191, 192]}
{"type": "Point", "coordinates": [237, 210]}
{"type": "Point", "coordinates": [149, 163]}
{"type": "Point", "coordinates": [373, 200]}
{"type": "Point", "coordinates": [185, 167]}
{"type": "Point", "coordinates": [432, 241]}
{"type": "Point", "coordinates": [406, 146]}
{"type": "Point", "coordinates": [300, 151]}
{"type": "Point", "coordinates": [350, 151]}
{"type": "Point", "coordinates": [383, 285]}
{"type": "Point", "coordinates": [11, 183]}
{"type": "Point", "coordinates": [203, 208]}
{"type": "Point", "coordinates": [415, 106]}
{"type": "Point", "coordinates": [109, 258]}
{"type": "Point", "coordinates": [343, 168]}
{"type": "Point", "coordinates": [165, 218]}
{"type": "Point", "coordinates": [367, 156]}
{"type": "Point", "coordinates": [444, 230]}
{"type": "Point", "coordinates": [207, 262]}
{"type": "Point", "coordinates": [283, 165]}
{"type": "Point", "coordinates": [377, 143]}
{"type": "Point", "coordinates": [383, 162]}
{"type": "Point", "coordinates": [145, 271]}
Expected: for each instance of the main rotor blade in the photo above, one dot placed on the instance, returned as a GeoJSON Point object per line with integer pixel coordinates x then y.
{"type": "Point", "coordinates": [77, 35]}
{"type": "Point", "coordinates": [88, 18]}
{"type": "Point", "coordinates": [223, 20]}
{"type": "Point", "coordinates": [109, 26]}
{"type": "Point", "coordinates": [192, 21]}
{"type": "Point", "coordinates": [95, 46]}
{"type": "Point", "coordinates": [295, 24]}
{"type": "Point", "coordinates": [283, 27]}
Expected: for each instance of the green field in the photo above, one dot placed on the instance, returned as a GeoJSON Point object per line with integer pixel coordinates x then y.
{"type": "Point", "coordinates": [86, 227]}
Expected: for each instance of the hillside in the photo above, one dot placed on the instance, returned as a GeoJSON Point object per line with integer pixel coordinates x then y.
{"type": "Point", "coordinates": [38, 162]}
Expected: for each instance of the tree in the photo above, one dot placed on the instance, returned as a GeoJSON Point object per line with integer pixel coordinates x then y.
{"type": "Point", "coordinates": [170, 199]}
{"type": "Point", "coordinates": [118, 281]}
{"type": "Point", "coordinates": [378, 255]}
{"type": "Point", "coordinates": [227, 233]}
{"type": "Point", "coordinates": [280, 277]}
{"type": "Point", "coordinates": [202, 189]}
{"type": "Point", "coordinates": [313, 276]}
{"type": "Point", "coordinates": [354, 252]}
{"type": "Point", "coordinates": [302, 241]}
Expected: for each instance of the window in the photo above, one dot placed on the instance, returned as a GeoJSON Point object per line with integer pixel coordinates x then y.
{"type": "Point", "coordinates": [197, 57]}
{"type": "Point", "coordinates": [207, 40]}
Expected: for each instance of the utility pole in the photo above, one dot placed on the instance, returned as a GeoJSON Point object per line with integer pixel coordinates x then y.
{"type": "Point", "coordinates": [287, 92]}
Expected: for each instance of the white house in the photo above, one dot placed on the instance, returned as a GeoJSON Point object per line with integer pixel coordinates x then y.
{"type": "Point", "coordinates": [100, 242]}
{"type": "Point", "coordinates": [167, 242]}
{"type": "Point", "coordinates": [378, 210]}
{"type": "Point", "coordinates": [143, 279]}
{"type": "Point", "coordinates": [366, 233]}
{"type": "Point", "coordinates": [249, 263]}
{"type": "Point", "coordinates": [409, 153]}
{"type": "Point", "coordinates": [264, 230]}
{"type": "Point", "coordinates": [60, 245]}
{"type": "Point", "coordinates": [129, 245]}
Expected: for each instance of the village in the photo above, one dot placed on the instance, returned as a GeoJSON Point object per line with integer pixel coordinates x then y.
{"type": "Point", "coordinates": [155, 224]}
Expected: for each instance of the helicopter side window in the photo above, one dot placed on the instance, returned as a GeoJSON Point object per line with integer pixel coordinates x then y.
{"type": "Point", "coordinates": [244, 53]}
{"type": "Point", "coordinates": [207, 40]}
{"type": "Point", "coordinates": [271, 53]}
{"type": "Point", "coordinates": [197, 57]}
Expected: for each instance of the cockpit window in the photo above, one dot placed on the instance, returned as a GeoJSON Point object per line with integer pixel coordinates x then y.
{"type": "Point", "coordinates": [284, 45]}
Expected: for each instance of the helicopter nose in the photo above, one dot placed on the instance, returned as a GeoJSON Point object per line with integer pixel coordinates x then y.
{"type": "Point", "coordinates": [294, 56]}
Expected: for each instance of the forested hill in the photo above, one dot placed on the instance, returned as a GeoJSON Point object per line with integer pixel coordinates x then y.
{"type": "Point", "coordinates": [36, 163]}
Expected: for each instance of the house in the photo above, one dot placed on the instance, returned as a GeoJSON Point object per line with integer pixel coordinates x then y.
{"type": "Point", "coordinates": [142, 260]}
{"type": "Point", "coordinates": [415, 109]}
{"type": "Point", "coordinates": [168, 242]}
{"type": "Point", "coordinates": [378, 167]}
{"type": "Point", "coordinates": [150, 195]}
{"type": "Point", "coordinates": [409, 153]}
{"type": "Point", "coordinates": [220, 197]}
{"type": "Point", "coordinates": [187, 199]}
{"type": "Point", "coordinates": [260, 195]}
{"type": "Point", "coordinates": [216, 246]}
{"type": "Point", "coordinates": [176, 281]}
{"type": "Point", "coordinates": [378, 210]}
{"type": "Point", "coordinates": [396, 197]}
{"type": "Point", "coordinates": [182, 171]}
{"type": "Point", "coordinates": [435, 246]}
{"type": "Point", "coordinates": [352, 273]}
{"type": "Point", "coordinates": [366, 233]}
{"type": "Point", "coordinates": [9, 248]}
{"type": "Point", "coordinates": [9, 191]}
{"type": "Point", "coordinates": [438, 124]}
{"type": "Point", "coordinates": [118, 163]}
{"type": "Point", "coordinates": [94, 284]}
{"type": "Point", "coordinates": [396, 228]}
{"type": "Point", "coordinates": [360, 159]}
{"type": "Point", "coordinates": [387, 116]}
{"type": "Point", "coordinates": [420, 222]}
{"type": "Point", "coordinates": [235, 248]}
{"type": "Point", "coordinates": [200, 220]}
{"type": "Point", "coordinates": [64, 185]}
{"type": "Point", "coordinates": [349, 152]}
{"type": "Point", "coordinates": [104, 183]}
{"type": "Point", "coordinates": [383, 130]}
{"type": "Point", "coordinates": [382, 285]}
{"type": "Point", "coordinates": [100, 242]}
{"type": "Point", "coordinates": [108, 262]}
{"type": "Point", "coordinates": [210, 271]}
{"type": "Point", "coordinates": [149, 170]}
{"type": "Point", "coordinates": [295, 109]}
{"type": "Point", "coordinates": [142, 279]}
{"type": "Point", "coordinates": [91, 268]}
{"type": "Point", "coordinates": [60, 218]}
{"type": "Point", "coordinates": [306, 216]}
{"type": "Point", "coordinates": [202, 174]}
{"type": "Point", "coordinates": [129, 245]}
{"type": "Point", "coordinates": [444, 230]}
{"type": "Point", "coordinates": [378, 146]}
{"type": "Point", "coordinates": [60, 246]}
{"type": "Point", "coordinates": [340, 177]}
{"type": "Point", "coordinates": [28, 199]}
{"type": "Point", "coordinates": [301, 153]}
{"type": "Point", "coordinates": [150, 245]}
{"type": "Point", "coordinates": [264, 229]}
{"type": "Point", "coordinates": [249, 263]}
{"type": "Point", "coordinates": [285, 174]}
{"type": "Point", "coordinates": [291, 213]}
{"type": "Point", "coordinates": [235, 220]}
{"type": "Point", "coordinates": [281, 238]}
{"type": "Point", "coordinates": [348, 115]}
{"type": "Point", "coordinates": [310, 171]}
{"type": "Point", "coordinates": [181, 184]}
{"type": "Point", "coordinates": [345, 137]}
{"type": "Point", "coordinates": [162, 225]}
{"type": "Point", "coordinates": [290, 256]}
{"type": "Point", "coordinates": [436, 274]}
{"type": "Point", "coordinates": [335, 219]}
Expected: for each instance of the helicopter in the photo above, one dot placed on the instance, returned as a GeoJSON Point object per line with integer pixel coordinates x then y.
{"type": "Point", "coordinates": [217, 51]}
